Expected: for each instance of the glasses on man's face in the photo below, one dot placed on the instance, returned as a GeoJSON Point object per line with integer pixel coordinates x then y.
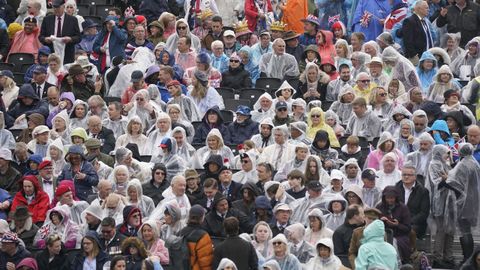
{"type": "Point", "coordinates": [107, 231]}
{"type": "Point", "coordinates": [282, 109]}
{"type": "Point", "coordinates": [181, 28]}
{"type": "Point", "coordinates": [234, 61]}
{"type": "Point", "coordinates": [408, 174]}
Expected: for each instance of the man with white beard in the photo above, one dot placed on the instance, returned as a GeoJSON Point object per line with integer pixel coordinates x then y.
{"type": "Point", "coordinates": [421, 158]}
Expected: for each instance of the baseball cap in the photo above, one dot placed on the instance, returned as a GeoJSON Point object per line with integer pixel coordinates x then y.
{"type": "Point", "coordinates": [228, 33]}
{"type": "Point", "coordinates": [137, 76]}
{"type": "Point", "coordinates": [281, 105]}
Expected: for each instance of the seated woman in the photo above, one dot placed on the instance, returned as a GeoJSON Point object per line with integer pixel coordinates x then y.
{"type": "Point", "coordinates": [113, 207]}
{"type": "Point", "coordinates": [282, 255]}
{"type": "Point", "coordinates": [396, 217]}
{"type": "Point", "coordinates": [178, 120]}
{"type": "Point", "coordinates": [61, 127]}
{"type": "Point", "coordinates": [136, 169]}
{"type": "Point", "coordinates": [145, 108]}
{"type": "Point", "coordinates": [316, 122]}
{"type": "Point", "coordinates": [386, 144]}
{"type": "Point", "coordinates": [343, 106]}
{"type": "Point", "coordinates": [170, 232]}
{"type": "Point", "coordinates": [452, 103]}
{"type": "Point", "coordinates": [203, 95]}
{"type": "Point", "coordinates": [54, 255]}
{"type": "Point", "coordinates": [214, 145]}
{"type": "Point", "coordinates": [212, 119]}
{"type": "Point", "coordinates": [406, 142]}
{"type": "Point", "coordinates": [33, 197]}
{"type": "Point", "coordinates": [55, 153]}
{"type": "Point", "coordinates": [134, 252]}
{"type": "Point", "coordinates": [136, 198]}
{"type": "Point", "coordinates": [313, 83]}
{"type": "Point", "coordinates": [236, 77]}
{"type": "Point", "coordinates": [442, 82]}
{"type": "Point", "coordinates": [78, 115]}
{"type": "Point", "coordinates": [58, 222]}
{"type": "Point", "coordinates": [321, 147]}
{"type": "Point", "coordinates": [381, 106]}
{"type": "Point", "coordinates": [315, 171]}
{"type": "Point", "coordinates": [81, 170]}
{"type": "Point", "coordinates": [325, 258]}
{"type": "Point", "coordinates": [156, 133]}
{"type": "Point", "coordinates": [285, 93]}
{"type": "Point", "coordinates": [150, 235]}
{"type": "Point", "coordinates": [316, 229]}
{"type": "Point", "coordinates": [134, 135]}
{"type": "Point", "coordinates": [91, 255]}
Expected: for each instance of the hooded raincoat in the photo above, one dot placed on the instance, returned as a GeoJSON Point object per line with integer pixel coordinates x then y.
{"type": "Point", "coordinates": [312, 130]}
{"type": "Point", "coordinates": [438, 88]}
{"type": "Point", "coordinates": [145, 203]}
{"type": "Point", "coordinates": [202, 154]}
{"type": "Point", "coordinates": [67, 229]}
{"type": "Point", "coordinates": [312, 236]}
{"type": "Point", "coordinates": [426, 76]}
{"type": "Point", "coordinates": [330, 263]}
{"type": "Point", "coordinates": [399, 67]}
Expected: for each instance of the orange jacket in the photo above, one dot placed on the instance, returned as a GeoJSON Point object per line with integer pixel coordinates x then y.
{"type": "Point", "coordinates": [293, 13]}
{"type": "Point", "coordinates": [201, 253]}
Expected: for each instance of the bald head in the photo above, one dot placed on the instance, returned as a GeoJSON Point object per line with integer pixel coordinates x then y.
{"type": "Point", "coordinates": [473, 135]}
{"type": "Point", "coordinates": [279, 46]}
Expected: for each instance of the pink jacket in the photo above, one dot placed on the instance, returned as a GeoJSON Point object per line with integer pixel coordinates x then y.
{"type": "Point", "coordinates": [374, 159]}
{"type": "Point", "coordinates": [159, 249]}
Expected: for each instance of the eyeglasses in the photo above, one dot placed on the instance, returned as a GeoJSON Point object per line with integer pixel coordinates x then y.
{"type": "Point", "coordinates": [315, 116]}
{"type": "Point", "coordinates": [234, 61]}
{"type": "Point", "coordinates": [408, 174]}
{"type": "Point", "coordinates": [364, 81]}
{"type": "Point", "coordinates": [181, 28]}
{"type": "Point", "coordinates": [382, 94]}
{"type": "Point", "coordinates": [277, 243]}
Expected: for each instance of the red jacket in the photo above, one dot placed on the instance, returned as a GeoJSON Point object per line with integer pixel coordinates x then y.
{"type": "Point", "coordinates": [39, 205]}
{"type": "Point", "coordinates": [251, 13]}
{"type": "Point", "coordinates": [129, 93]}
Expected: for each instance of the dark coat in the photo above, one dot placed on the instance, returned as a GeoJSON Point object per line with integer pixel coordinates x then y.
{"type": "Point", "coordinates": [414, 37]}
{"type": "Point", "coordinates": [213, 223]}
{"type": "Point", "coordinates": [78, 261]}
{"type": "Point", "coordinates": [69, 29]}
{"type": "Point", "coordinates": [150, 190]}
{"type": "Point", "coordinates": [303, 88]}
{"type": "Point", "coordinates": [467, 21]}
{"type": "Point", "coordinates": [38, 106]}
{"type": "Point", "coordinates": [59, 262]}
{"type": "Point", "coordinates": [236, 78]}
{"type": "Point", "coordinates": [82, 91]}
{"type": "Point", "coordinates": [240, 132]}
{"type": "Point", "coordinates": [419, 206]}
{"type": "Point", "coordinates": [152, 9]}
{"type": "Point", "coordinates": [44, 90]}
{"type": "Point", "coordinates": [107, 138]}
{"type": "Point", "coordinates": [233, 192]}
{"type": "Point", "coordinates": [276, 230]}
{"type": "Point", "coordinates": [203, 130]}
{"type": "Point", "coordinates": [113, 247]}
{"type": "Point", "coordinates": [83, 188]}
{"type": "Point", "coordinates": [21, 254]}
{"type": "Point", "coordinates": [297, 52]}
{"type": "Point", "coordinates": [341, 241]}
{"type": "Point", "coordinates": [241, 252]}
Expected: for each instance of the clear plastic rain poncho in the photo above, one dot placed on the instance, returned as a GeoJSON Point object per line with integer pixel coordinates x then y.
{"type": "Point", "coordinates": [438, 167]}
{"type": "Point", "coordinates": [463, 179]}
{"type": "Point", "coordinates": [142, 58]}
{"type": "Point", "coordinates": [399, 67]}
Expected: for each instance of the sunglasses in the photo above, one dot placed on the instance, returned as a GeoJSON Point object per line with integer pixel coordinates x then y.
{"type": "Point", "coordinates": [244, 161]}
{"type": "Point", "coordinates": [364, 81]}
{"type": "Point", "coordinates": [282, 109]}
{"type": "Point", "coordinates": [277, 243]}
{"type": "Point", "coordinates": [181, 28]}
{"type": "Point", "coordinates": [382, 94]}
{"type": "Point", "coordinates": [160, 173]}
{"type": "Point", "coordinates": [315, 116]}
{"type": "Point", "coordinates": [234, 61]}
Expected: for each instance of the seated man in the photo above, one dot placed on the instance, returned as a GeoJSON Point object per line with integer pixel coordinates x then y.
{"type": "Point", "coordinates": [343, 234]}
{"type": "Point", "coordinates": [105, 135]}
{"type": "Point", "coordinates": [363, 123]}
{"type": "Point", "coordinates": [278, 64]}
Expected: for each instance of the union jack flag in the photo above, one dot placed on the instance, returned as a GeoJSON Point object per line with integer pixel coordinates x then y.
{"type": "Point", "coordinates": [454, 149]}
{"type": "Point", "coordinates": [394, 17]}
{"type": "Point", "coordinates": [366, 18]}
{"type": "Point", "coordinates": [333, 19]}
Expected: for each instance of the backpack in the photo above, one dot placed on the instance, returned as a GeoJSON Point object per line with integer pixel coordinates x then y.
{"type": "Point", "coordinates": [194, 236]}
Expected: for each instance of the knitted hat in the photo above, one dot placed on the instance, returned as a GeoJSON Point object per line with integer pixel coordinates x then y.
{"type": "Point", "coordinates": [172, 83]}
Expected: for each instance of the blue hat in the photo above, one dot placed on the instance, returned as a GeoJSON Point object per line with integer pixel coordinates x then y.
{"type": "Point", "coordinates": [44, 50]}
{"type": "Point", "coordinates": [166, 143]}
{"type": "Point", "coordinates": [40, 69]}
{"type": "Point", "coordinates": [243, 110]}
{"type": "Point", "coordinates": [88, 24]}
{"type": "Point", "coordinates": [204, 58]}
{"type": "Point", "coordinates": [6, 73]}
{"type": "Point", "coordinates": [75, 149]}
{"type": "Point", "coordinates": [35, 158]}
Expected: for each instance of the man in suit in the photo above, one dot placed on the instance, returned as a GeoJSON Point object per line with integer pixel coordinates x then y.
{"type": "Point", "coordinates": [63, 26]}
{"type": "Point", "coordinates": [417, 32]}
{"type": "Point", "coordinates": [415, 197]}
{"type": "Point", "coordinates": [46, 179]}
{"type": "Point", "coordinates": [105, 135]}
{"type": "Point", "coordinates": [110, 239]}
{"type": "Point", "coordinates": [282, 214]}
{"type": "Point", "coordinates": [39, 83]}
{"type": "Point", "coordinates": [227, 187]}
{"type": "Point", "coordinates": [210, 189]}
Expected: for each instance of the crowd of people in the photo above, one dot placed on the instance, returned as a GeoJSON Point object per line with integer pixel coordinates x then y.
{"type": "Point", "coordinates": [125, 144]}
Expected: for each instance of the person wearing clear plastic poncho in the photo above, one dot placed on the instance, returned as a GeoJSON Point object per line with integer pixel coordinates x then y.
{"type": "Point", "coordinates": [142, 58]}
{"type": "Point", "coordinates": [175, 164]}
{"type": "Point", "coordinates": [399, 67]}
{"type": "Point", "coordinates": [441, 209]}
{"type": "Point", "coordinates": [463, 180]}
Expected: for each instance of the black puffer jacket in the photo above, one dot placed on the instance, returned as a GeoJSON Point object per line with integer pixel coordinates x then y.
{"type": "Point", "coordinates": [236, 78]}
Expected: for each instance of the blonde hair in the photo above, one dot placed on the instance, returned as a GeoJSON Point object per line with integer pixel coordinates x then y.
{"type": "Point", "coordinates": [199, 91]}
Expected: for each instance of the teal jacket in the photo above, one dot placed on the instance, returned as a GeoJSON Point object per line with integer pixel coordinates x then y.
{"type": "Point", "coordinates": [374, 251]}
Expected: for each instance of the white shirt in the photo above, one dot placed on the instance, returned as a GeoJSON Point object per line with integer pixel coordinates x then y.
{"type": "Point", "coordinates": [408, 191]}
{"type": "Point", "coordinates": [48, 188]}
{"type": "Point", "coordinates": [56, 24]}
